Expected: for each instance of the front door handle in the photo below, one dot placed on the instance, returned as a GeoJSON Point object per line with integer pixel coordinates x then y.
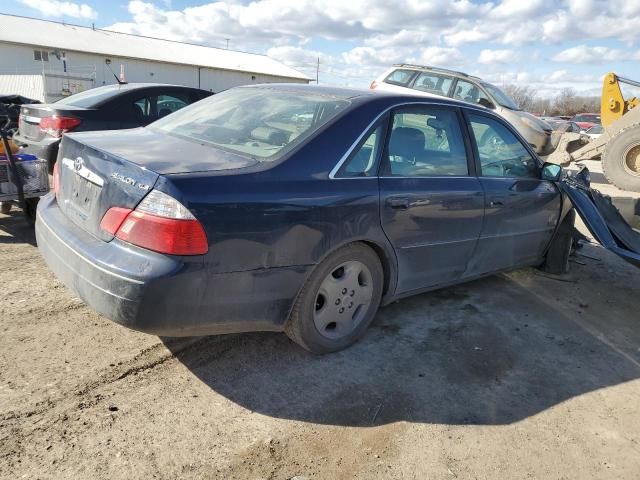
{"type": "Point", "coordinates": [398, 203]}
{"type": "Point", "coordinates": [496, 203]}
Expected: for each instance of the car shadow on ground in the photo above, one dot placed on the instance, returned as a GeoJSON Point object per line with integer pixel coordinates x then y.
{"type": "Point", "coordinates": [14, 228]}
{"type": "Point", "coordinates": [488, 352]}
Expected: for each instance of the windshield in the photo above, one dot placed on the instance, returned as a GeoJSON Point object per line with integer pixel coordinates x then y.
{"type": "Point", "coordinates": [90, 98]}
{"type": "Point", "coordinates": [501, 97]}
{"type": "Point", "coordinates": [256, 122]}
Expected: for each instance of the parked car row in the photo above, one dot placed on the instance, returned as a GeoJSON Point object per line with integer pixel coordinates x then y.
{"type": "Point", "coordinates": [287, 207]}
{"type": "Point", "coordinates": [111, 107]}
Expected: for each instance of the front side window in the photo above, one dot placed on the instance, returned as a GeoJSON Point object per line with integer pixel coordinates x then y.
{"type": "Point", "coordinates": [363, 161]}
{"type": "Point", "coordinates": [468, 92]}
{"type": "Point", "coordinates": [260, 123]}
{"type": "Point", "coordinates": [400, 77]}
{"type": "Point", "coordinates": [432, 83]}
{"type": "Point", "coordinates": [501, 153]}
{"type": "Point", "coordinates": [426, 141]}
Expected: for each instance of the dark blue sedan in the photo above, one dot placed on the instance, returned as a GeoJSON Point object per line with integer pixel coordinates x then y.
{"type": "Point", "coordinates": [295, 208]}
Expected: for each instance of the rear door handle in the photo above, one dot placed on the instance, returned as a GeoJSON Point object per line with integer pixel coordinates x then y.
{"type": "Point", "coordinates": [398, 203]}
{"type": "Point", "coordinates": [496, 203]}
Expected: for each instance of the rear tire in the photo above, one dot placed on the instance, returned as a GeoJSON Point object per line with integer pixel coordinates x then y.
{"type": "Point", "coordinates": [338, 301]}
{"type": "Point", "coordinates": [557, 259]}
{"type": "Point", "coordinates": [621, 159]}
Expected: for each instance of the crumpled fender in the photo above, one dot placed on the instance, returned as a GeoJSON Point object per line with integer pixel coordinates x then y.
{"type": "Point", "coordinates": [602, 219]}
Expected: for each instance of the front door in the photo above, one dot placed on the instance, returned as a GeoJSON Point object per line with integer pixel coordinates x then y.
{"type": "Point", "coordinates": [521, 210]}
{"type": "Point", "coordinates": [431, 207]}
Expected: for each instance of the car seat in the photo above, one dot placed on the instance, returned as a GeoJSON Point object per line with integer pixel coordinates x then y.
{"type": "Point", "coordinates": [406, 144]}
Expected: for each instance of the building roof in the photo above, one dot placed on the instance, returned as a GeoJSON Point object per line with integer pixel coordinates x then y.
{"type": "Point", "coordinates": [61, 36]}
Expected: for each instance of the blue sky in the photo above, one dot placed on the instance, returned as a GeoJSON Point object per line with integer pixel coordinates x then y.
{"type": "Point", "coordinates": [548, 45]}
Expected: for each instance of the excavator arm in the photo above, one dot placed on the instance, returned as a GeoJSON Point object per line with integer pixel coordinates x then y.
{"type": "Point", "coordinates": [612, 103]}
{"type": "Point", "coordinates": [619, 144]}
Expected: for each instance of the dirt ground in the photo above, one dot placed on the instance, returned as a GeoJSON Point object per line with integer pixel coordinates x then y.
{"type": "Point", "coordinates": [517, 376]}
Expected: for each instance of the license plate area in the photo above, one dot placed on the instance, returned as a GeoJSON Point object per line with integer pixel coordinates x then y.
{"type": "Point", "coordinates": [83, 195]}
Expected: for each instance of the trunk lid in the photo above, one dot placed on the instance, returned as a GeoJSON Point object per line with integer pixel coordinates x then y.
{"type": "Point", "coordinates": [161, 152]}
{"type": "Point", "coordinates": [100, 170]}
{"type": "Point", "coordinates": [92, 181]}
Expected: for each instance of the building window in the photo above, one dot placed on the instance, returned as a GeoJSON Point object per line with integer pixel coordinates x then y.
{"type": "Point", "coordinates": [41, 55]}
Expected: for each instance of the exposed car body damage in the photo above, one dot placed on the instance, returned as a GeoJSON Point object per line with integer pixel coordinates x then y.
{"type": "Point", "coordinates": [603, 219]}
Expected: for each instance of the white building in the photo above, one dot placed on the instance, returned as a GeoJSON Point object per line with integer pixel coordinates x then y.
{"type": "Point", "coordinates": [47, 60]}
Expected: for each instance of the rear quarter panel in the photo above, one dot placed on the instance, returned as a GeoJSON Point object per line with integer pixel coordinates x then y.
{"type": "Point", "coordinates": [291, 213]}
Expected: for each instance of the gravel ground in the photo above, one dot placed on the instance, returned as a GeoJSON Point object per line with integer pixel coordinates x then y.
{"type": "Point", "coordinates": [519, 375]}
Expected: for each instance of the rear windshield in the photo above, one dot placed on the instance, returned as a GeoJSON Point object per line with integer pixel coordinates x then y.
{"type": "Point", "coordinates": [90, 98]}
{"type": "Point", "coordinates": [260, 123]}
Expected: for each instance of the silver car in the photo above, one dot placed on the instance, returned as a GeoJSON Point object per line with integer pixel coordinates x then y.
{"type": "Point", "coordinates": [430, 81]}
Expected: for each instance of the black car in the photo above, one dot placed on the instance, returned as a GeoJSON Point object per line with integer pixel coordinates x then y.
{"type": "Point", "coordinates": [111, 107]}
{"type": "Point", "coordinates": [297, 209]}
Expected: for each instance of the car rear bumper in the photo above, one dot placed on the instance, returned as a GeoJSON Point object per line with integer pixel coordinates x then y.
{"type": "Point", "coordinates": [161, 294]}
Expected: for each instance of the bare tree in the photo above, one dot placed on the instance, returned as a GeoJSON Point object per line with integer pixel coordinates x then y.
{"type": "Point", "coordinates": [566, 102]}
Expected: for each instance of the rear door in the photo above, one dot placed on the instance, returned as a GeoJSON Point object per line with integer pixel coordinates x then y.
{"type": "Point", "coordinates": [521, 210]}
{"type": "Point", "coordinates": [431, 203]}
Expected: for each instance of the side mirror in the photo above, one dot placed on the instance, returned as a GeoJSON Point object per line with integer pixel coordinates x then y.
{"type": "Point", "coordinates": [486, 103]}
{"type": "Point", "coordinates": [551, 172]}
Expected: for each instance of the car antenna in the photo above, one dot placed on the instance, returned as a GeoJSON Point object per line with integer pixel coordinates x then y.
{"type": "Point", "coordinates": [108, 64]}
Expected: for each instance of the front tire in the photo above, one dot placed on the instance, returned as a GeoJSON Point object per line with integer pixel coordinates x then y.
{"type": "Point", "coordinates": [621, 159]}
{"type": "Point", "coordinates": [338, 301]}
{"type": "Point", "coordinates": [557, 259]}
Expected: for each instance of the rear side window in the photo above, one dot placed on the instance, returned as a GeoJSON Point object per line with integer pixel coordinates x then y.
{"type": "Point", "coordinates": [400, 77]}
{"type": "Point", "coordinates": [363, 161]}
{"type": "Point", "coordinates": [426, 141]}
{"type": "Point", "coordinates": [431, 83]}
{"type": "Point", "coordinates": [256, 122]}
{"type": "Point", "coordinates": [501, 153]}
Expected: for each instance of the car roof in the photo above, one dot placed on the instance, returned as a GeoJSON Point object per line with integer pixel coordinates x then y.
{"type": "Point", "coordinates": [137, 86]}
{"type": "Point", "coordinates": [429, 68]}
{"type": "Point", "coordinates": [363, 95]}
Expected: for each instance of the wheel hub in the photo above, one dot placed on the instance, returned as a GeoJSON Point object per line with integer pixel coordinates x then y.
{"type": "Point", "coordinates": [343, 300]}
{"type": "Point", "coordinates": [632, 160]}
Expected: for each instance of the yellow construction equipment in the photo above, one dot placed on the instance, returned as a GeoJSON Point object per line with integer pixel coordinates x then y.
{"type": "Point", "coordinates": [619, 144]}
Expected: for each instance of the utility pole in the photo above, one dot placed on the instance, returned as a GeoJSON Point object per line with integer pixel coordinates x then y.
{"type": "Point", "coordinates": [318, 70]}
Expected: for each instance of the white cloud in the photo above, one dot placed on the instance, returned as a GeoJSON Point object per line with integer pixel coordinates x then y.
{"type": "Point", "coordinates": [465, 34]}
{"type": "Point", "coordinates": [594, 55]}
{"type": "Point", "coordinates": [496, 56]}
{"type": "Point", "coordinates": [55, 8]}
{"type": "Point", "coordinates": [441, 56]}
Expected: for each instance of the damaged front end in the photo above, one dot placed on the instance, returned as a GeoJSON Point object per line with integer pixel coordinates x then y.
{"type": "Point", "coordinates": [601, 217]}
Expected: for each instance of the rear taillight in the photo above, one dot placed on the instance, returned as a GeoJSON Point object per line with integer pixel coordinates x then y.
{"type": "Point", "coordinates": [56, 178]}
{"type": "Point", "coordinates": [373, 85]}
{"type": "Point", "coordinates": [55, 125]}
{"type": "Point", "coordinates": [159, 223]}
